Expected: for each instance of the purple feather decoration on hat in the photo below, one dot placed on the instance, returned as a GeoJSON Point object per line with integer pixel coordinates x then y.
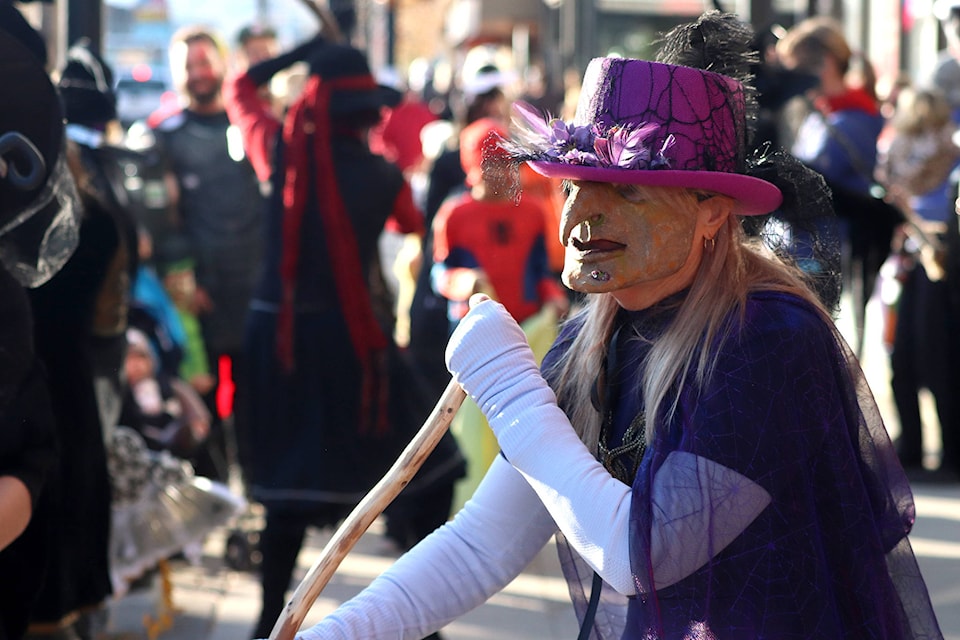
{"type": "Point", "coordinates": [552, 138]}
{"type": "Point", "coordinates": [620, 146]}
{"type": "Point", "coordinates": [624, 147]}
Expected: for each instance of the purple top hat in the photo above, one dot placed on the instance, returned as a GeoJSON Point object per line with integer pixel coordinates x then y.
{"type": "Point", "coordinates": [649, 123]}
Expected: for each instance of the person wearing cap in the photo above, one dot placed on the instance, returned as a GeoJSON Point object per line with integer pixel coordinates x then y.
{"type": "Point", "coordinates": [397, 137]}
{"type": "Point", "coordinates": [160, 508]}
{"type": "Point", "coordinates": [483, 96]}
{"type": "Point", "coordinates": [161, 406]}
{"type": "Point", "coordinates": [328, 402]}
{"type": "Point", "coordinates": [699, 437]}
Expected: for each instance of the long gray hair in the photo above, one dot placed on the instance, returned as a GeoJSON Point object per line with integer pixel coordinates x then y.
{"type": "Point", "coordinates": [734, 267]}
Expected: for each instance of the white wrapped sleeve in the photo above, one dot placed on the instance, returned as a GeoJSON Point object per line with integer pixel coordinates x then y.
{"type": "Point", "coordinates": [698, 505]}
{"type": "Point", "coordinates": [453, 570]}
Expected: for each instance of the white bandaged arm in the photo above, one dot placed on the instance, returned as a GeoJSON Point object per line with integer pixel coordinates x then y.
{"type": "Point", "coordinates": [453, 570]}
{"type": "Point", "coordinates": [501, 529]}
{"type": "Point", "coordinates": [698, 506]}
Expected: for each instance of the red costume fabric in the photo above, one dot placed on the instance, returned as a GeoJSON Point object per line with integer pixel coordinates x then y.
{"type": "Point", "coordinates": [259, 128]}
{"type": "Point", "coordinates": [308, 126]}
{"type": "Point", "coordinates": [257, 123]}
{"type": "Point", "coordinates": [550, 195]}
{"type": "Point", "coordinates": [856, 98]}
{"type": "Point", "coordinates": [398, 137]}
{"type": "Point", "coordinates": [503, 238]}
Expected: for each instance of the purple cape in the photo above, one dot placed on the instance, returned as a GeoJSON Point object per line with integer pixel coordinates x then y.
{"type": "Point", "coordinates": [787, 407]}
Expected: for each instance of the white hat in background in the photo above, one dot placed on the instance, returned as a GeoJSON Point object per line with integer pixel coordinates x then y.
{"type": "Point", "coordinates": [484, 69]}
{"type": "Point", "coordinates": [486, 79]}
{"type": "Point", "coordinates": [942, 8]}
{"type": "Point", "coordinates": [434, 137]}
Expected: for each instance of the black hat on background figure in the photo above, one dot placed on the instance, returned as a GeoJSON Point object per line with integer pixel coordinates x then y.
{"type": "Point", "coordinates": [354, 87]}
{"type": "Point", "coordinates": [86, 87]}
{"type": "Point", "coordinates": [33, 110]}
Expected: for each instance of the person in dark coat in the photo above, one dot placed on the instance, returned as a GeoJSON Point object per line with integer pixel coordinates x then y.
{"type": "Point", "coordinates": [27, 453]}
{"type": "Point", "coordinates": [80, 319]}
{"type": "Point", "coordinates": [28, 445]}
{"type": "Point", "coordinates": [37, 235]}
{"type": "Point", "coordinates": [326, 380]}
{"type": "Point", "coordinates": [218, 221]}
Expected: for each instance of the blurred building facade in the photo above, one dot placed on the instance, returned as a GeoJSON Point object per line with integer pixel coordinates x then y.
{"type": "Point", "coordinates": [550, 36]}
{"type": "Point", "coordinates": [897, 36]}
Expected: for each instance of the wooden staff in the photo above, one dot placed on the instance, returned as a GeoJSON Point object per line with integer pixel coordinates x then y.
{"type": "Point", "coordinates": [328, 22]}
{"type": "Point", "coordinates": [367, 511]}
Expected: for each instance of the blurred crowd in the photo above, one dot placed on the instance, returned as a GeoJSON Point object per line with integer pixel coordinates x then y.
{"type": "Point", "coordinates": [245, 298]}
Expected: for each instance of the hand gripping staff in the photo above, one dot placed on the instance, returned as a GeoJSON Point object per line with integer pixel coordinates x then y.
{"type": "Point", "coordinates": [363, 515]}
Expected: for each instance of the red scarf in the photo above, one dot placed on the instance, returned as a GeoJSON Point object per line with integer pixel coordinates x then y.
{"type": "Point", "coordinates": [856, 99]}
{"type": "Point", "coordinates": [308, 122]}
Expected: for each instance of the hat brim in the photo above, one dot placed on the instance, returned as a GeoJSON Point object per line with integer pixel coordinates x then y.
{"type": "Point", "coordinates": [342, 102]}
{"type": "Point", "coordinates": [753, 196]}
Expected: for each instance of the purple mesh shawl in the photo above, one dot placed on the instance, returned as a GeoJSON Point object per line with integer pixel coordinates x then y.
{"type": "Point", "coordinates": [788, 408]}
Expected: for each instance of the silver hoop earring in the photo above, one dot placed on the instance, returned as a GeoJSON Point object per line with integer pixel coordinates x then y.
{"type": "Point", "coordinates": [709, 243]}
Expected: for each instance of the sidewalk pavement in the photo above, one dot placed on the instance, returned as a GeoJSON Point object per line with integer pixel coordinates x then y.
{"type": "Point", "coordinates": [216, 603]}
{"type": "Point", "coordinates": [213, 602]}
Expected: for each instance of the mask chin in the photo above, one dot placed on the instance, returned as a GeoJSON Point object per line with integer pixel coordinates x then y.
{"type": "Point", "coordinates": [36, 243]}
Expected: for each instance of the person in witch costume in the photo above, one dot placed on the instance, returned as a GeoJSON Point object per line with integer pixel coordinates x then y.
{"type": "Point", "coordinates": [80, 316]}
{"type": "Point", "coordinates": [330, 402]}
{"type": "Point", "coordinates": [700, 437]}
